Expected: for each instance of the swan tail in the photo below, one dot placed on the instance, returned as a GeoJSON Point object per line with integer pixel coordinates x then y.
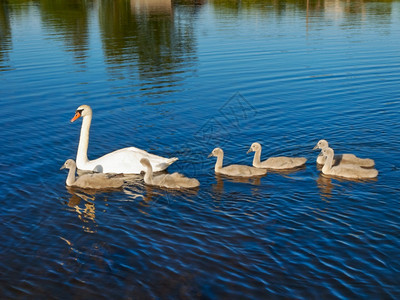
{"type": "Point", "coordinates": [172, 160]}
{"type": "Point", "coordinates": [165, 164]}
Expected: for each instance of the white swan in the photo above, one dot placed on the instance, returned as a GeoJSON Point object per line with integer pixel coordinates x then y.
{"type": "Point", "coordinates": [171, 181]}
{"type": "Point", "coordinates": [90, 181]}
{"type": "Point", "coordinates": [275, 163]}
{"type": "Point", "coordinates": [345, 170]}
{"type": "Point", "coordinates": [234, 170]}
{"type": "Point", "coordinates": [125, 160]}
{"type": "Point", "coordinates": [346, 158]}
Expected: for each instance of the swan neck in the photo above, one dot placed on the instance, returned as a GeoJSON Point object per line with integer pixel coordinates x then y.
{"type": "Point", "coordinates": [81, 156]}
{"type": "Point", "coordinates": [71, 176]}
{"type": "Point", "coordinates": [218, 164]}
{"type": "Point", "coordinates": [257, 158]}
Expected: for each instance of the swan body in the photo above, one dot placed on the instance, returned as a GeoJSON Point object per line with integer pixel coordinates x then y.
{"type": "Point", "coordinates": [234, 170]}
{"type": "Point", "coordinates": [125, 160]}
{"type": "Point", "coordinates": [90, 181]}
{"type": "Point", "coordinates": [275, 163]}
{"type": "Point", "coordinates": [346, 158]}
{"type": "Point", "coordinates": [170, 181]}
{"type": "Point", "coordinates": [345, 170]}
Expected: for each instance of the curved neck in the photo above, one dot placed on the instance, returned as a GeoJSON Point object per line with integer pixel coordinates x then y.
{"type": "Point", "coordinates": [71, 176]}
{"type": "Point", "coordinates": [328, 163]}
{"type": "Point", "coordinates": [81, 156]}
{"type": "Point", "coordinates": [218, 164]}
{"type": "Point", "coordinates": [257, 157]}
{"type": "Point", "coordinates": [148, 176]}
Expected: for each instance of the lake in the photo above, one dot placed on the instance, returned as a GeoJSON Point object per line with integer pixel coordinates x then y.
{"type": "Point", "coordinates": [179, 79]}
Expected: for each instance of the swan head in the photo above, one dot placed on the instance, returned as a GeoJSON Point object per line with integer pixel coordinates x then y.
{"type": "Point", "coordinates": [69, 164]}
{"type": "Point", "coordinates": [321, 144]}
{"type": "Point", "coordinates": [82, 111]}
{"type": "Point", "coordinates": [327, 152]}
{"type": "Point", "coordinates": [216, 152]}
{"type": "Point", "coordinates": [254, 147]}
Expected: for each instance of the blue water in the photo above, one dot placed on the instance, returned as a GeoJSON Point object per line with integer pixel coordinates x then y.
{"type": "Point", "coordinates": [179, 80]}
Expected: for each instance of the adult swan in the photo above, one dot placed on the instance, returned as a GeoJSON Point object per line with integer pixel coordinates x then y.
{"type": "Point", "coordinates": [125, 160]}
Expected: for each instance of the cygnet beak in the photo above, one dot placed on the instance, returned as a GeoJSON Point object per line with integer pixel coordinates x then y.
{"type": "Point", "coordinates": [316, 147]}
{"type": "Point", "coordinates": [62, 167]}
{"type": "Point", "coordinates": [210, 155]}
{"type": "Point", "coordinates": [250, 150]}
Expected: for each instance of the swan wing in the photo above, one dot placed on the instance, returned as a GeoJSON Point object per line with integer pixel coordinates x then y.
{"type": "Point", "coordinates": [353, 171]}
{"type": "Point", "coordinates": [175, 181]}
{"type": "Point", "coordinates": [352, 159]}
{"type": "Point", "coordinates": [242, 171]}
{"type": "Point", "coordinates": [127, 160]}
{"type": "Point", "coordinates": [98, 181]}
{"type": "Point", "coordinates": [283, 162]}
{"type": "Point", "coordinates": [348, 158]}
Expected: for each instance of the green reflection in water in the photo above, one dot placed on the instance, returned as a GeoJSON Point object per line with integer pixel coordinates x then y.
{"type": "Point", "coordinates": [5, 35]}
{"type": "Point", "coordinates": [149, 37]}
{"type": "Point", "coordinates": [155, 38]}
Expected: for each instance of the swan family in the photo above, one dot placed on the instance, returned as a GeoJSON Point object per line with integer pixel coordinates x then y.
{"type": "Point", "coordinates": [132, 160]}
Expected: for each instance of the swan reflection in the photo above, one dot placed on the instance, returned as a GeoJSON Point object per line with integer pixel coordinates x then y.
{"type": "Point", "coordinates": [156, 7]}
{"type": "Point", "coordinates": [219, 186]}
{"type": "Point", "coordinates": [286, 172]}
{"type": "Point", "coordinates": [83, 204]}
{"type": "Point", "coordinates": [326, 185]}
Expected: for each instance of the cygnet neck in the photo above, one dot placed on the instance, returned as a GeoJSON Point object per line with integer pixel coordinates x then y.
{"type": "Point", "coordinates": [329, 162]}
{"type": "Point", "coordinates": [71, 176]}
{"type": "Point", "coordinates": [220, 158]}
{"type": "Point", "coordinates": [148, 176]}
{"type": "Point", "coordinates": [257, 157]}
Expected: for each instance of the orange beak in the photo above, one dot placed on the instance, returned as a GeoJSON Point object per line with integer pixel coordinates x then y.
{"type": "Point", "coordinates": [77, 115]}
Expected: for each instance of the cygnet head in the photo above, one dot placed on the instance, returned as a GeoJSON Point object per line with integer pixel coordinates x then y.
{"type": "Point", "coordinates": [254, 147]}
{"type": "Point", "coordinates": [69, 164]}
{"type": "Point", "coordinates": [145, 162]}
{"type": "Point", "coordinates": [216, 152]}
{"type": "Point", "coordinates": [327, 151]}
{"type": "Point", "coordinates": [82, 111]}
{"type": "Point", "coordinates": [321, 144]}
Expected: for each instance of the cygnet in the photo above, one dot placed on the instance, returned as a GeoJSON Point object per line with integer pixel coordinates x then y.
{"type": "Point", "coordinates": [170, 181]}
{"type": "Point", "coordinates": [234, 170]}
{"type": "Point", "coordinates": [345, 170]}
{"type": "Point", "coordinates": [275, 163]}
{"type": "Point", "coordinates": [92, 180]}
{"type": "Point", "coordinates": [345, 158]}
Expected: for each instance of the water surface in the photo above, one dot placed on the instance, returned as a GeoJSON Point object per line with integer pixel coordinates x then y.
{"type": "Point", "coordinates": [178, 79]}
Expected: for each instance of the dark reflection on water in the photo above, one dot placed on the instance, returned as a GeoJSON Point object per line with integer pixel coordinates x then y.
{"type": "Point", "coordinates": [5, 36]}
{"type": "Point", "coordinates": [150, 41]}
{"type": "Point", "coordinates": [68, 21]}
{"type": "Point", "coordinates": [179, 78]}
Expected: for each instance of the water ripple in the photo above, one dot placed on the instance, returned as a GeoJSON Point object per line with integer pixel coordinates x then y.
{"type": "Point", "coordinates": [202, 76]}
